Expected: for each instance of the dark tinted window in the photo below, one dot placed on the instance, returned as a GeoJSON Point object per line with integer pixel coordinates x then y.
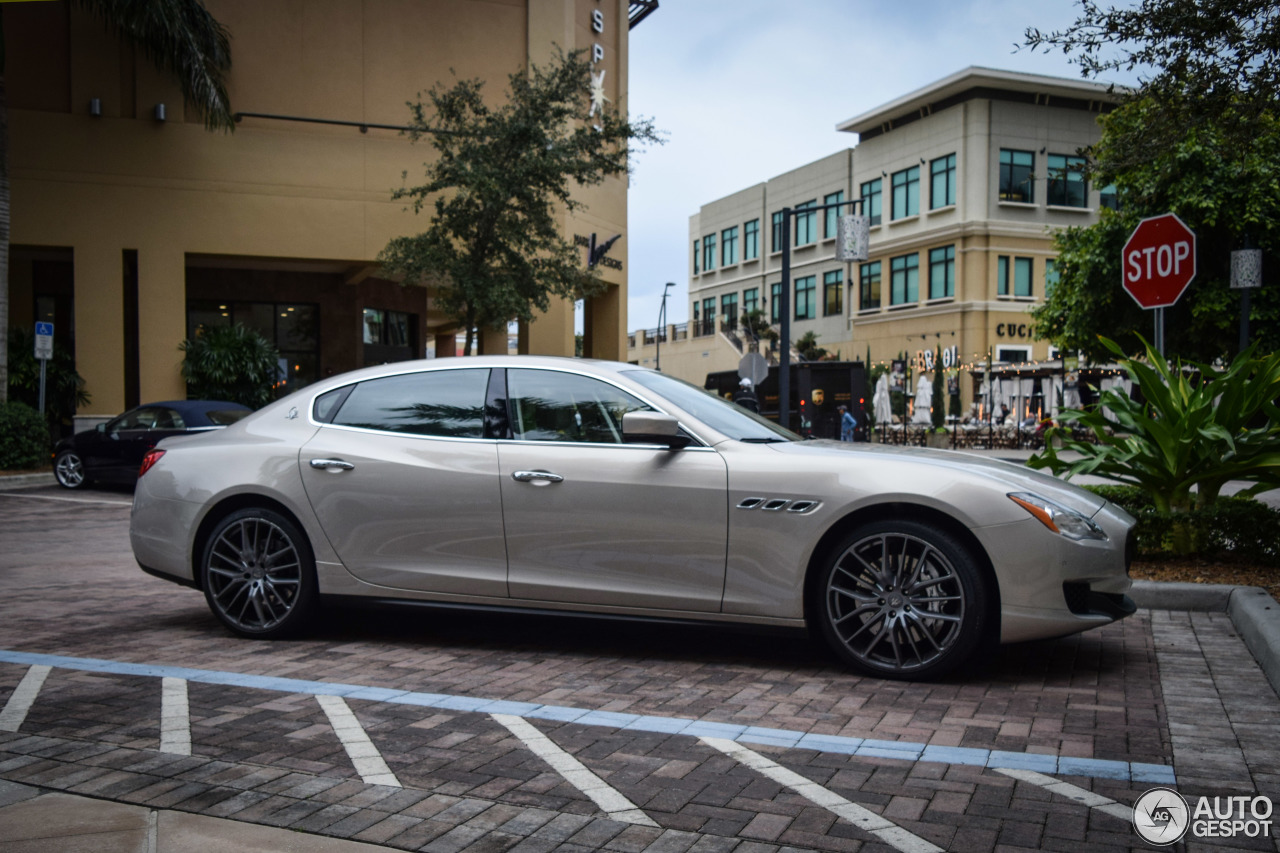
{"type": "Point", "coordinates": [225, 417]}
{"type": "Point", "coordinates": [148, 418]}
{"type": "Point", "coordinates": [446, 403]}
{"type": "Point", "coordinates": [547, 405]}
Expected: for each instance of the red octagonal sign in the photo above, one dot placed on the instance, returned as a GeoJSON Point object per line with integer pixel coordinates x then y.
{"type": "Point", "coordinates": [1159, 261]}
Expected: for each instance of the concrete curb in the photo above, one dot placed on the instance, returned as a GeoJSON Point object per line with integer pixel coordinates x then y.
{"type": "Point", "coordinates": [1254, 613]}
{"type": "Point", "coordinates": [9, 482]}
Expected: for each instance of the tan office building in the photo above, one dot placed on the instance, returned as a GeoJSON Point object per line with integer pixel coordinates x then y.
{"type": "Point", "coordinates": [132, 224]}
{"type": "Point", "coordinates": [964, 181]}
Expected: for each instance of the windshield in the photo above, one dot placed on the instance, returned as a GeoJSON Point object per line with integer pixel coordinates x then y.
{"type": "Point", "coordinates": [717, 413]}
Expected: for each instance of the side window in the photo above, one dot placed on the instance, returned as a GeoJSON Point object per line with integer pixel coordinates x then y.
{"type": "Point", "coordinates": [138, 419]}
{"type": "Point", "coordinates": [547, 405]}
{"type": "Point", "coordinates": [445, 403]}
{"type": "Point", "coordinates": [168, 419]}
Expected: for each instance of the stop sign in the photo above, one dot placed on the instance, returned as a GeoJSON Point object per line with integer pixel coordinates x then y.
{"type": "Point", "coordinates": [1159, 261]}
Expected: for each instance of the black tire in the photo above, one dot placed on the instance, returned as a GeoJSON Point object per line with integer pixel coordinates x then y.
{"type": "Point", "coordinates": [258, 574]}
{"type": "Point", "coordinates": [68, 470]}
{"type": "Point", "coordinates": [903, 600]}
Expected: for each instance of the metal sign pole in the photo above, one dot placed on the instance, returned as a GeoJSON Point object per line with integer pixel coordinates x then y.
{"type": "Point", "coordinates": [1160, 331]}
{"type": "Point", "coordinates": [43, 362]}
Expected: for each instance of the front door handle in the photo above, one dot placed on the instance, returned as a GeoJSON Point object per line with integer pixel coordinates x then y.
{"type": "Point", "coordinates": [535, 476]}
{"type": "Point", "coordinates": [331, 465]}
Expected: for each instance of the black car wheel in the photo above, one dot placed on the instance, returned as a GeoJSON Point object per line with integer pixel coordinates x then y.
{"type": "Point", "coordinates": [68, 470]}
{"type": "Point", "coordinates": [258, 574]}
{"type": "Point", "coordinates": [902, 599]}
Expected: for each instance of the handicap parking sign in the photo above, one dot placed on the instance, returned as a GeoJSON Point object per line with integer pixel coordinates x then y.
{"type": "Point", "coordinates": [44, 341]}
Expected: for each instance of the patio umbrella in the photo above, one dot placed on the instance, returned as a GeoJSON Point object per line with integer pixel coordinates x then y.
{"type": "Point", "coordinates": [924, 400]}
{"type": "Point", "coordinates": [880, 401]}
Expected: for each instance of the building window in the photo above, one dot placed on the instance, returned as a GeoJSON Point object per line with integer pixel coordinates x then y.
{"type": "Point", "coordinates": [1015, 175]}
{"type": "Point", "coordinates": [776, 245]}
{"type": "Point", "coordinates": [906, 193]}
{"type": "Point", "coordinates": [729, 246]}
{"type": "Point", "coordinates": [751, 240]}
{"type": "Point", "coordinates": [832, 293]}
{"type": "Point", "coordinates": [942, 272]}
{"type": "Point", "coordinates": [729, 310]}
{"type": "Point", "coordinates": [707, 326]}
{"type": "Point", "coordinates": [904, 280]}
{"type": "Point", "coordinates": [871, 201]}
{"type": "Point", "coordinates": [696, 268]}
{"type": "Point", "coordinates": [1050, 276]}
{"type": "Point", "coordinates": [775, 302]}
{"type": "Point", "coordinates": [709, 252]}
{"type": "Point", "coordinates": [806, 223]}
{"type": "Point", "coordinates": [1067, 186]}
{"type": "Point", "coordinates": [807, 297]}
{"type": "Point", "coordinates": [832, 215]}
{"type": "Point", "coordinates": [869, 275]}
{"type": "Point", "coordinates": [750, 299]}
{"type": "Point", "coordinates": [1107, 197]}
{"type": "Point", "coordinates": [942, 182]}
{"type": "Point", "coordinates": [1021, 284]}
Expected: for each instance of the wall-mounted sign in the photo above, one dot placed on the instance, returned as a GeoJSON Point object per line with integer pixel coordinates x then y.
{"type": "Point", "coordinates": [1015, 330]}
{"type": "Point", "coordinates": [597, 253]}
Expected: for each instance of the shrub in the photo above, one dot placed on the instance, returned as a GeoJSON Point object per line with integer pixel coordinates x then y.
{"type": "Point", "coordinates": [232, 363]}
{"type": "Point", "coordinates": [24, 437]}
{"type": "Point", "coordinates": [64, 387]}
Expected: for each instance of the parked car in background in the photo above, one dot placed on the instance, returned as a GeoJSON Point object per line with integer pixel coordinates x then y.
{"type": "Point", "coordinates": [535, 483]}
{"type": "Point", "coordinates": [113, 452]}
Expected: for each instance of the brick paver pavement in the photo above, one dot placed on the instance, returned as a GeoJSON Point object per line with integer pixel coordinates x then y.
{"type": "Point", "coordinates": [1160, 688]}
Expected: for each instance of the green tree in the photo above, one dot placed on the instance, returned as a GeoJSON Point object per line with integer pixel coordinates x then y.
{"type": "Point", "coordinates": [939, 412]}
{"type": "Point", "coordinates": [1196, 428]}
{"type": "Point", "coordinates": [230, 363]}
{"type": "Point", "coordinates": [182, 40]}
{"type": "Point", "coordinates": [64, 387]}
{"type": "Point", "coordinates": [498, 189]}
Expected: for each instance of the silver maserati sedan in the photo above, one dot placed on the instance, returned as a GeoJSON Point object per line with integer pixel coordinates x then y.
{"type": "Point", "coordinates": [562, 484]}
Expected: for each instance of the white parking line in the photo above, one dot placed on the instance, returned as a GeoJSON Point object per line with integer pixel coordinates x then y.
{"type": "Point", "coordinates": [610, 801]}
{"type": "Point", "coordinates": [15, 710]}
{"type": "Point", "coordinates": [1072, 792]}
{"type": "Point", "coordinates": [364, 755]}
{"type": "Point", "coordinates": [888, 832]}
{"type": "Point", "coordinates": [175, 717]}
{"type": "Point", "coordinates": [66, 500]}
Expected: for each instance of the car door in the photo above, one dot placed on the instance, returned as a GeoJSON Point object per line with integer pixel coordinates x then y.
{"type": "Point", "coordinates": [591, 520]}
{"type": "Point", "coordinates": [405, 484]}
{"type": "Point", "coordinates": [114, 450]}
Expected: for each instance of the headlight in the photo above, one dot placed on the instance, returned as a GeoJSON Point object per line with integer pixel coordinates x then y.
{"type": "Point", "coordinates": [1058, 518]}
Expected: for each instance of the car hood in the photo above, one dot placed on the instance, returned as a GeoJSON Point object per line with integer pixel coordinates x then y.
{"type": "Point", "coordinates": [1014, 477]}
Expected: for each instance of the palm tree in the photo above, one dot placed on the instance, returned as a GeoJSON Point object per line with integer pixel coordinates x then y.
{"type": "Point", "coordinates": [182, 40]}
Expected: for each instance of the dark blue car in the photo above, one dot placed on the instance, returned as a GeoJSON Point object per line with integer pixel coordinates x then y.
{"type": "Point", "coordinates": [113, 452]}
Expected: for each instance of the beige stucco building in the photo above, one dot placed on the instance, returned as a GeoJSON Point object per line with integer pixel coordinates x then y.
{"type": "Point", "coordinates": [964, 180]}
{"type": "Point", "coordinates": [132, 224]}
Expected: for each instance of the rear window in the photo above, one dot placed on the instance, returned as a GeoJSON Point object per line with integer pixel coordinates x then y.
{"type": "Point", "coordinates": [444, 403]}
{"type": "Point", "coordinates": [226, 417]}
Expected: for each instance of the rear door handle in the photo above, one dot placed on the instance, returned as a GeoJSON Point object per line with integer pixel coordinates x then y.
{"type": "Point", "coordinates": [535, 476]}
{"type": "Point", "coordinates": [331, 465]}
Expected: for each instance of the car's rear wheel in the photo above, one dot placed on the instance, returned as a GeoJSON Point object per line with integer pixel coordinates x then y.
{"type": "Point", "coordinates": [903, 599]}
{"type": "Point", "coordinates": [68, 470]}
{"type": "Point", "coordinates": [258, 574]}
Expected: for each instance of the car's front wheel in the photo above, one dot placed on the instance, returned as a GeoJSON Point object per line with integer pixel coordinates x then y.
{"type": "Point", "coordinates": [68, 470]}
{"type": "Point", "coordinates": [258, 574]}
{"type": "Point", "coordinates": [903, 599]}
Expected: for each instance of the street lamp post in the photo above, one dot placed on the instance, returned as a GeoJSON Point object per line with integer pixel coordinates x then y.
{"type": "Point", "coordinates": [662, 327]}
{"type": "Point", "coordinates": [784, 303]}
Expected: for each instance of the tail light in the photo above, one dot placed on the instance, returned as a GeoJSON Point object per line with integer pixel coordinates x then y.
{"type": "Point", "coordinates": [152, 457]}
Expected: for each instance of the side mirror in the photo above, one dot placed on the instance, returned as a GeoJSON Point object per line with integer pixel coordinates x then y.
{"type": "Point", "coordinates": [102, 428]}
{"type": "Point", "coordinates": [653, 428]}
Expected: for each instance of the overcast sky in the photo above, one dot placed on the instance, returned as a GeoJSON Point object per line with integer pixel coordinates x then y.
{"type": "Point", "coordinates": [748, 89]}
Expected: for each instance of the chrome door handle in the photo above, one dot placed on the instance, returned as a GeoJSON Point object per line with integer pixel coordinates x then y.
{"type": "Point", "coordinates": [330, 464]}
{"type": "Point", "coordinates": [533, 476]}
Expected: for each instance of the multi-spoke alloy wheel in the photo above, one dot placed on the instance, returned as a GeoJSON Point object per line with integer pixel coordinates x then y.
{"type": "Point", "coordinates": [903, 600]}
{"type": "Point", "coordinates": [258, 574]}
{"type": "Point", "coordinates": [68, 470]}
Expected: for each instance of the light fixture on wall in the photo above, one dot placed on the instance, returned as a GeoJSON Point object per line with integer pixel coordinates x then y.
{"type": "Point", "coordinates": [159, 112]}
{"type": "Point", "coordinates": [1041, 150]}
{"type": "Point", "coordinates": [95, 107]}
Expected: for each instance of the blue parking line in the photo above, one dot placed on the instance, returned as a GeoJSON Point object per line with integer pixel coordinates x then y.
{"type": "Point", "coordinates": [901, 750]}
